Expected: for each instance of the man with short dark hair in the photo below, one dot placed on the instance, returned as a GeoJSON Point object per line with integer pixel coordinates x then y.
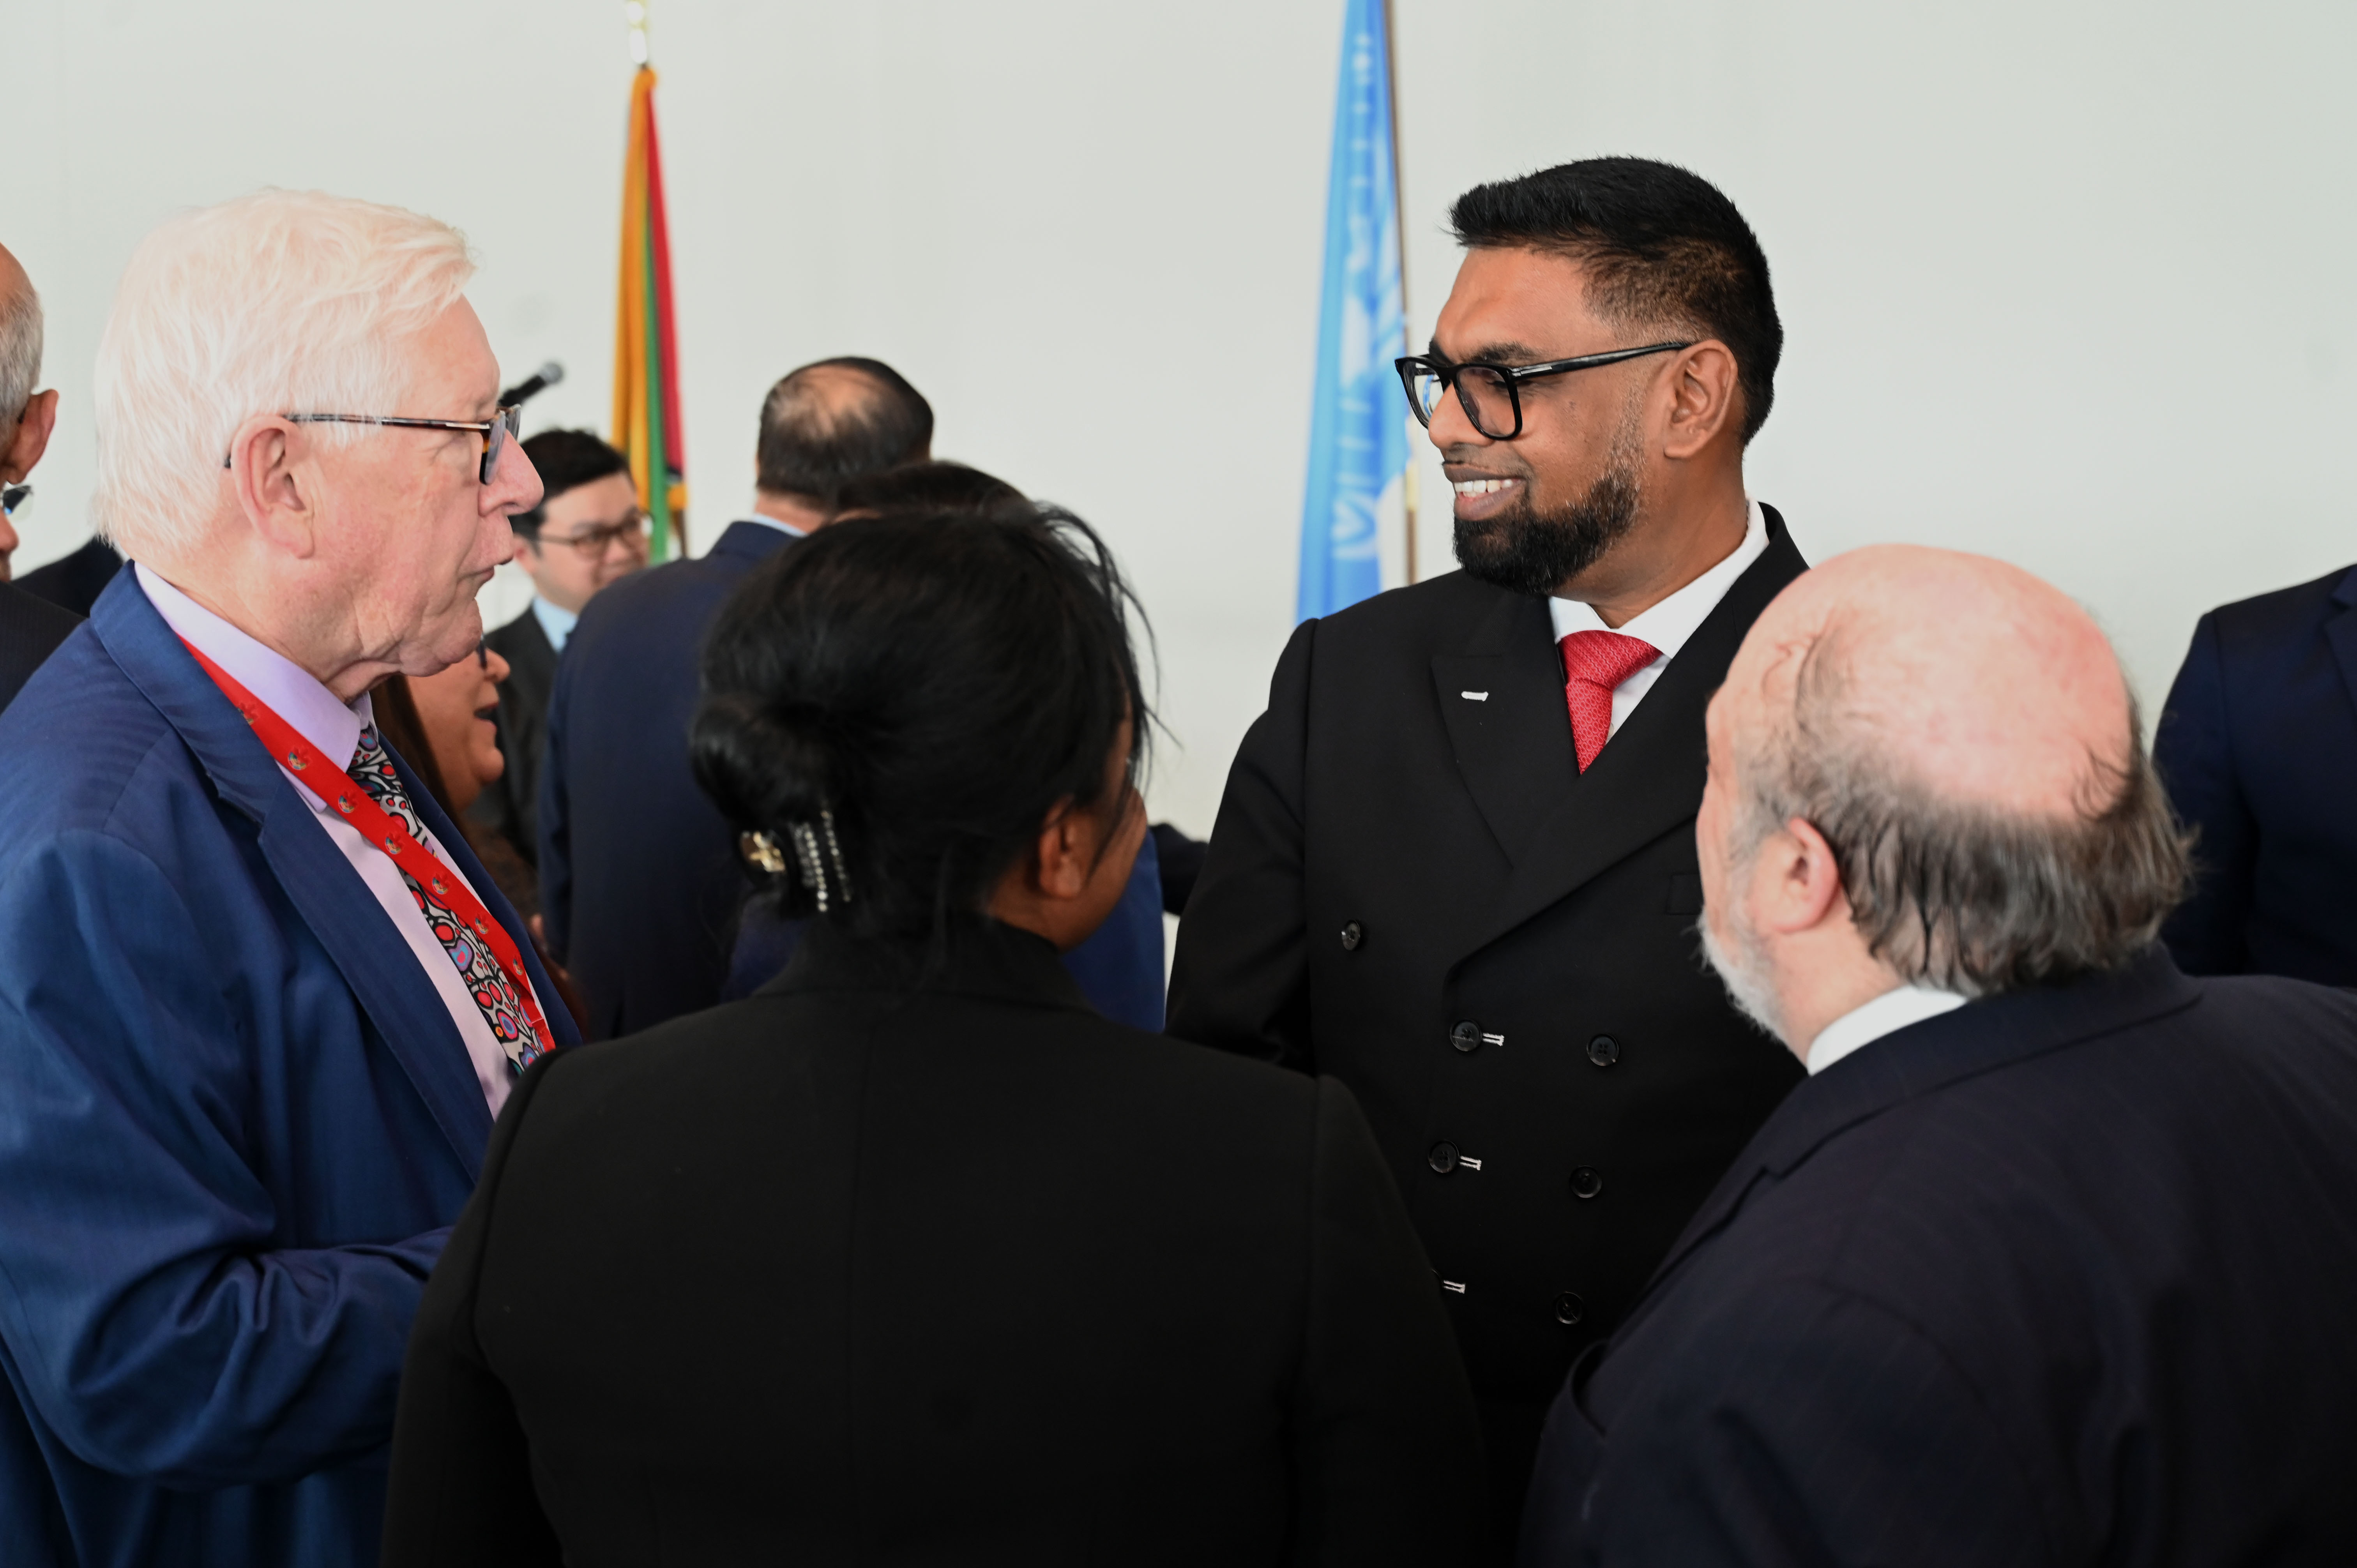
{"type": "Point", "coordinates": [1455, 865]}
{"type": "Point", "coordinates": [586, 533]}
{"type": "Point", "coordinates": [2048, 1259]}
{"type": "Point", "coordinates": [639, 879]}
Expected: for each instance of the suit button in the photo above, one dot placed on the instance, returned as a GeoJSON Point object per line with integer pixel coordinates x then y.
{"type": "Point", "coordinates": [1443, 1158]}
{"type": "Point", "coordinates": [1466, 1036]}
{"type": "Point", "coordinates": [1587, 1182]}
{"type": "Point", "coordinates": [1604, 1050]}
{"type": "Point", "coordinates": [1353, 934]}
{"type": "Point", "coordinates": [1569, 1309]}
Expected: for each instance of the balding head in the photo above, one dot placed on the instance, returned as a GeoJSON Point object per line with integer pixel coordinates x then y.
{"type": "Point", "coordinates": [26, 416]}
{"type": "Point", "coordinates": [835, 421]}
{"type": "Point", "coordinates": [1953, 738]}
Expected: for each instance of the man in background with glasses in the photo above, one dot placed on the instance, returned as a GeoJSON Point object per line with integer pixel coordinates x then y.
{"type": "Point", "coordinates": [586, 533]}
{"type": "Point", "coordinates": [30, 628]}
{"type": "Point", "coordinates": [1455, 866]}
{"type": "Point", "coordinates": [259, 1001]}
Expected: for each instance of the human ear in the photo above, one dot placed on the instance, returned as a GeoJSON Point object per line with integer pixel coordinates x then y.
{"type": "Point", "coordinates": [1703, 397]}
{"type": "Point", "coordinates": [30, 438]}
{"type": "Point", "coordinates": [1064, 853]}
{"type": "Point", "coordinates": [273, 484]}
{"type": "Point", "coordinates": [1797, 885]}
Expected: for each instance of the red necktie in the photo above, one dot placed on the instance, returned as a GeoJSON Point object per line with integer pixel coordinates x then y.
{"type": "Point", "coordinates": [1593, 663]}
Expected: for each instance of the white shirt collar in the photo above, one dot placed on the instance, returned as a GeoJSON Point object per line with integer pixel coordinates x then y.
{"type": "Point", "coordinates": [557, 622]}
{"type": "Point", "coordinates": [283, 685]}
{"type": "Point", "coordinates": [1668, 625]}
{"type": "Point", "coordinates": [785, 528]}
{"type": "Point", "coordinates": [1886, 1015]}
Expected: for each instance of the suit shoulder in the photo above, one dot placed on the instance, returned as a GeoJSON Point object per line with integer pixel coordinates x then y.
{"type": "Point", "coordinates": [74, 741]}
{"type": "Point", "coordinates": [2290, 614]}
{"type": "Point", "coordinates": [1439, 609]}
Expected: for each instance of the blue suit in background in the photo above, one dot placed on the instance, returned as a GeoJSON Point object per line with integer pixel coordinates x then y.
{"type": "Point", "coordinates": [639, 880]}
{"type": "Point", "coordinates": [236, 1121]}
{"type": "Point", "coordinates": [2258, 746]}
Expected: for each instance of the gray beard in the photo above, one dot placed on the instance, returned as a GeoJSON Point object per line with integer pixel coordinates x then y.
{"type": "Point", "coordinates": [1536, 552]}
{"type": "Point", "coordinates": [1745, 974]}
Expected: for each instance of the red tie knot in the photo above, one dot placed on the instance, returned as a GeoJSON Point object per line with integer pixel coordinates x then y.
{"type": "Point", "coordinates": [1594, 662]}
{"type": "Point", "coordinates": [1604, 658]}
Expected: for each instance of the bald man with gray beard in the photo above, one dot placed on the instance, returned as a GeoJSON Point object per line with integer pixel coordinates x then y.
{"type": "Point", "coordinates": [2050, 1260]}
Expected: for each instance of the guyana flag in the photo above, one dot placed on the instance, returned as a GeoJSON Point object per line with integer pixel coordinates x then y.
{"type": "Point", "coordinates": [646, 351]}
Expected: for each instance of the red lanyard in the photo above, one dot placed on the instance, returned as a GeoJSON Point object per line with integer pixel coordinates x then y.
{"type": "Point", "coordinates": [380, 829]}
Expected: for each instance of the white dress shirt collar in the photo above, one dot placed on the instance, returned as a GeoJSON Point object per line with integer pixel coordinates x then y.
{"type": "Point", "coordinates": [784, 527]}
{"type": "Point", "coordinates": [1667, 626]}
{"type": "Point", "coordinates": [557, 622]}
{"type": "Point", "coordinates": [1886, 1015]}
{"type": "Point", "coordinates": [283, 685]}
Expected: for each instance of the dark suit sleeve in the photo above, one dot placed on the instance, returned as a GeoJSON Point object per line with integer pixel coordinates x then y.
{"type": "Point", "coordinates": [1240, 977]}
{"type": "Point", "coordinates": [1387, 1450]}
{"type": "Point", "coordinates": [2193, 750]}
{"type": "Point", "coordinates": [461, 1490]}
{"type": "Point", "coordinates": [556, 821]}
{"type": "Point", "coordinates": [1803, 1427]}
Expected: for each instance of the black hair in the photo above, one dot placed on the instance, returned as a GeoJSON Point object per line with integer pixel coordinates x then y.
{"type": "Point", "coordinates": [837, 420]}
{"type": "Point", "coordinates": [931, 486]}
{"type": "Point", "coordinates": [566, 460]}
{"type": "Point", "coordinates": [930, 685]}
{"type": "Point", "coordinates": [1661, 245]}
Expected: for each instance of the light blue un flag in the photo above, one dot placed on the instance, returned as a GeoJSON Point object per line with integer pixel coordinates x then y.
{"type": "Point", "coordinates": [1358, 431]}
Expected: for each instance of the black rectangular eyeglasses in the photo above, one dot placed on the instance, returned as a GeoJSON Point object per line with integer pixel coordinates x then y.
{"type": "Point", "coordinates": [497, 431]}
{"type": "Point", "coordinates": [1490, 394]}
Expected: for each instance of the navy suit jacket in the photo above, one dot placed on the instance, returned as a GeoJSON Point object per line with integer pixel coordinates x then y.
{"type": "Point", "coordinates": [2064, 1276]}
{"type": "Point", "coordinates": [30, 630]}
{"type": "Point", "coordinates": [2258, 745]}
{"type": "Point", "coordinates": [639, 882]}
{"type": "Point", "coordinates": [236, 1121]}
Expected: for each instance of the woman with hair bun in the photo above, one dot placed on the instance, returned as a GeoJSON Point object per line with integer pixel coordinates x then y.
{"type": "Point", "coordinates": [912, 1257]}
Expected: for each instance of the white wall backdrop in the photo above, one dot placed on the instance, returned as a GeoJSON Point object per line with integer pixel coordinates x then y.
{"type": "Point", "coordinates": [2065, 283]}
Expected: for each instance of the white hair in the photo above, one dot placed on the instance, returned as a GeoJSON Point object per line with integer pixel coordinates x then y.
{"type": "Point", "coordinates": [20, 352]}
{"type": "Point", "coordinates": [281, 301]}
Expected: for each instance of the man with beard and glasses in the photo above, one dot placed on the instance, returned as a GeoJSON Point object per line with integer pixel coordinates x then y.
{"type": "Point", "coordinates": [1455, 866]}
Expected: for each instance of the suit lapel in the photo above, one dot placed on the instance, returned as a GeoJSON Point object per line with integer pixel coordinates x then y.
{"type": "Point", "coordinates": [1649, 777]}
{"type": "Point", "coordinates": [2340, 631]}
{"type": "Point", "coordinates": [328, 895]}
{"type": "Point", "coordinates": [1502, 700]}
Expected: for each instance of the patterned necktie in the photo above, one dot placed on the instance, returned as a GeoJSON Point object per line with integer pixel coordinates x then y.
{"type": "Point", "coordinates": [1593, 663]}
{"type": "Point", "coordinates": [372, 770]}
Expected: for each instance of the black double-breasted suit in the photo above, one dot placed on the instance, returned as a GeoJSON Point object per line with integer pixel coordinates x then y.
{"type": "Point", "coordinates": [1412, 887]}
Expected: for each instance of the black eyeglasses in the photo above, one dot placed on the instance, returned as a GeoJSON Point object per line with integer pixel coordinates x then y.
{"type": "Point", "coordinates": [1490, 394]}
{"type": "Point", "coordinates": [592, 542]}
{"type": "Point", "coordinates": [497, 431]}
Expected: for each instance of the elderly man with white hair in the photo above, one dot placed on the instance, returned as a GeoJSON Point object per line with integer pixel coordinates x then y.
{"type": "Point", "coordinates": [258, 1003]}
{"type": "Point", "coordinates": [2052, 1258]}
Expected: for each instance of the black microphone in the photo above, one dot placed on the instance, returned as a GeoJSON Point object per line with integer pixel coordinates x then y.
{"type": "Point", "coordinates": [540, 380]}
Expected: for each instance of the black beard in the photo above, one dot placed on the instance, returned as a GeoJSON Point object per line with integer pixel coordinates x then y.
{"type": "Point", "coordinates": [1536, 552]}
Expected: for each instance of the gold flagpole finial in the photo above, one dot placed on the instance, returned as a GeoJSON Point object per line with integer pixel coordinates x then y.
{"type": "Point", "coordinates": [635, 13]}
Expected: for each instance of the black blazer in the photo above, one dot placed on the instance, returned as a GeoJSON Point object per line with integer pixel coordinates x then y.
{"type": "Point", "coordinates": [2066, 1276]}
{"type": "Point", "coordinates": [509, 806]}
{"type": "Point", "coordinates": [854, 1271]}
{"type": "Point", "coordinates": [1412, 887]}
{"type": "Point", "coordinates": [639, 882]}
{"type": "Point", "coordinates": [30, 630]}
{"type": "Point", "coordinates": [2258, 745]}
{"type": "Point", "coordinates": [74, 582]}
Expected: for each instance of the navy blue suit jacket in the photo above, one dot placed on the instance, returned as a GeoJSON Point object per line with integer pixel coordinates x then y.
{"type": "Point", "coordinates": [236, 1121]}
{"type": "Point", "coordinates": [2064, 1276]}
{"type": "Point", "coordinates": [2258, 745]}
{"type": "Point", "coordinates": [639, 882]}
